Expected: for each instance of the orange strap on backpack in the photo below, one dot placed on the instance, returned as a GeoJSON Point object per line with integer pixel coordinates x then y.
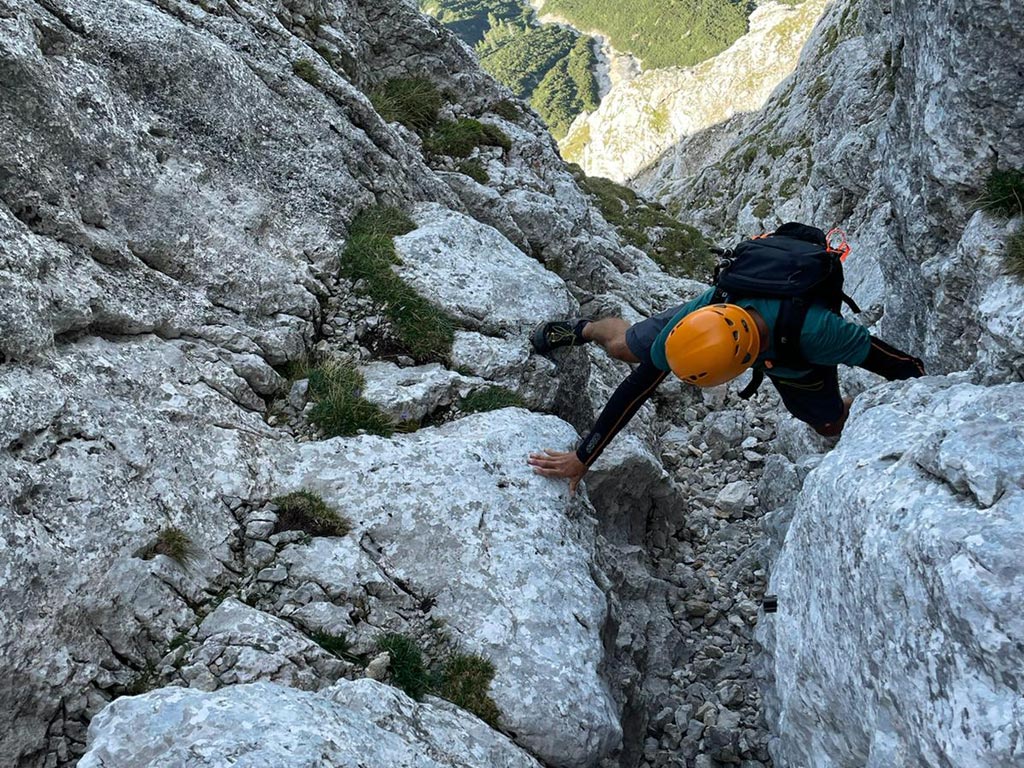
{"type": "Point", "coordinates": [835, 241]}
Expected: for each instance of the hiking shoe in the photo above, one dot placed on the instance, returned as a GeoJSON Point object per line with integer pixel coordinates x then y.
{"type": "Point", "coordinates": [558, 333]}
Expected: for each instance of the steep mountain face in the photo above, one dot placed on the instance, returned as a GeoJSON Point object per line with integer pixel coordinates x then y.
{"type": "Point", "coordinates": [640, 122]}
{"type": "Point", "coordinates": [217, 254]}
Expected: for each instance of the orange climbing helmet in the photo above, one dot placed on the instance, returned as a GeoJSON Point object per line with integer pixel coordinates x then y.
{"type": "Point", "coordinates": [712, 345]}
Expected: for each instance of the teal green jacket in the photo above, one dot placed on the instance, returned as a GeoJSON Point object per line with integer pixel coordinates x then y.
{"type": "Point", "coordinates": [826, 338]}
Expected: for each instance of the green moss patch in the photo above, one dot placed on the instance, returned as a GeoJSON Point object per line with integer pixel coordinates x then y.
{"type": "Point", "coordinates": [466, 682]}
{"type": "Point", "coordinates": [422, 330]}
{"type": "Point", "coordinates": [170, 542]}
{"type": "Point", "coordinates": [458, 138]}
{"type": "Point", "coordinates": [306, 511]}
{"type": "Point", "coordinates": [475, 170]}
{"type": "Point", "coordinates": [678, 248]}
{"type": "Point", "coordinates": [1014, 257]}
{"type": "Point", "coordinates": [1003, 193]}
{"type": "Point", "coordinates": [461, 678]}
{"type": "Point", "coordinates": [412, 101]}
{"type": "Point", "coordinates": [305, 69]}
{"type": "Point", "coordinates": [339, 408]}
{"type": "Point", "coordinates": [490, 399]}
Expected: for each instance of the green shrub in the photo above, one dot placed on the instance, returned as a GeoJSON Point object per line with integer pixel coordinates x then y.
{"type": "Point", "coordinates": [306, 511]}
{"type": "Point", "coordinates": [490, 399]}
{"type": "Point", "coordinates": [305, 69]}
{"type": "Point", "coordinates": [507, 109]}
{"type": "Point", "coordinates": [763, 208]}
{"type": "Point", "coordinates": [412, 101]}
{"type": "Point", "coordinates": [466, 681]}
{"type": "Point", "coordinates": [458, 138]}
{"type": "Point", "coordinates": [170, 542]}
{"type": "Point", "coordinates": [1014, 257]}
{"type": "Point", "coordinates": [337, 645]}
{"type": "Point", "coordinates": [475, 170]}
{"type": "Point", "coordinates": [339, 408]}
{"type": "Point", "coordinates": [788, 187]}
{"type": "Point", "coordinates": [1003, 193]}
{"type": "Point", "coordinates": [407, 669]}
{"type": "Point", "coordinates": [424, 331]}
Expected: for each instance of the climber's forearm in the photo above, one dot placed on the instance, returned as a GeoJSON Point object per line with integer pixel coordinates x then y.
{"type": "Point", "coordinates": [885, 360]}
{"type": "Point", "coordinates": [632, 393]}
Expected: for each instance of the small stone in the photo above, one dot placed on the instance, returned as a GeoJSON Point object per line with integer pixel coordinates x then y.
{"type": "Point", "coordinates": [377, 669]}
{"type": "Point", "coordinates": [697, 608]}
{"type": "Point", "coordinates": [261, 553]}
{"type": "Point", "coordinates": [259, 529]}
{"type": "Point", "coordinates": [733, 497]}
{"type": "Point", "coordinates": [274, 575]}
{"type": "Point", "coordinates": [298, 394]}
{"type": "Point", "coordinates": [748, 443]}
{"type": "Point", "coordinates": [405, 361]}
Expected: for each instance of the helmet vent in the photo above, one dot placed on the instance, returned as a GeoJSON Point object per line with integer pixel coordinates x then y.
{"type": "Point", "coordinates": [744, 324]}
{"type": "Point", "coordinates": [728, 321]}
{"type": "Point", "coordinates": [736, 335]}
{"type": "Point", "coordinates": [746, 359]}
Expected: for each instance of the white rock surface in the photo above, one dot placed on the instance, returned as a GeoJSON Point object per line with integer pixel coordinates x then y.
{"type": "Point", "coordinates": [898, 636]}
{"type": "Point", "coordinates": [456, 514]}
{"type": "Point", "coordinates": [415, 392]}
{"type": "Point", "coordinates": [243, 645]}
{"type": "Point", "coordinates": [262, 725]}
{"type": "Point", "coordinates": [474, 272]}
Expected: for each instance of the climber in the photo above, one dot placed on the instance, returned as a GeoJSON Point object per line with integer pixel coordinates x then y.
{"type": "Point", "coordinates": [709, 341]}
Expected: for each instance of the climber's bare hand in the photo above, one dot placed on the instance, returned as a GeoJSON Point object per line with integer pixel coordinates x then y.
{"type": "Point", "coordinates": [559, 464]}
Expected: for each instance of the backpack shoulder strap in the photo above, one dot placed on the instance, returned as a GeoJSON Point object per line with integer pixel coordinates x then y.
{"type": "Point", "coordinates": [788, 327]}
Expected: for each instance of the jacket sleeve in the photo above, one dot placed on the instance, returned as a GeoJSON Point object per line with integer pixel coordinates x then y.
{"type": "Point", "coordinates": [632, 393]}
{"type": "Point", "coordinates": [887, 361]}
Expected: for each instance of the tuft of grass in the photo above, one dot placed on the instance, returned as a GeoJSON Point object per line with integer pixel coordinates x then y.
{"type": "Point", "coordinates": [305, 69]}
{"type": "Point", "coordinates": [466, 682]}
{"type": "Point", "coordinates": [412, 101]}
{"type": "Point", "coordinates": [507, 109]}
{"type": "Point", "coordinates": [423, 330]}
{"type": "Point", "coordinates": [339, 408]}
{"type": "Point", "coordinates": [475, 170]}
{"type": "Point", "coordinates": [407, 669]}
{"type": "Point", "coordinates": [170, 542]}
{"type": "Point", "coordinates": [458, 138]}
{"type": "Point", "coordinates": [306, 511]}
{"type": "Point", "coordinates": [337, 645]}
{"type": "Point", "coordinates": [462, 678]}
{"type": "Point", "coordinates": [763, 208]}
{"type": "Point", "coordinates": [1013, 259]}
{"type": "Point", "coordinates": [382, 220]}
{"type": "Point", "coordinates": [678, 248]}
{"type": "Point", "coordinates": [490, 399]}
{"type": "Point", "coordinates": [1003, 193]}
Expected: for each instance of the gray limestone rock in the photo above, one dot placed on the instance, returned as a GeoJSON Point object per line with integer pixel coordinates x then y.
{"type": "Point", "coordinates": [267, 726]}
{"type": "Point", "coordinates": [524, 596]}
{"type": "Point", "coordinates": [899, 589]}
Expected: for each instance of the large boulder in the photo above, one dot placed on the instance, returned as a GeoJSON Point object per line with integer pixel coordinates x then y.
{"type": "Point", "coordinates": [455, 516]}
{"type": "Point", "coordinates": [898, 638]}
{"type": "Point", "coordinates": [262, 725]}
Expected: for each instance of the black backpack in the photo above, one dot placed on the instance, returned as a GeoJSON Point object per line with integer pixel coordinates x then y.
{"type": "Point", "coordinates": [795, 264]}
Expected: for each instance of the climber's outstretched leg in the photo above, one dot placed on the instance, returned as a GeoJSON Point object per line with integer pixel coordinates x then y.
{"type": "Point", "coordinates": [608, 333]}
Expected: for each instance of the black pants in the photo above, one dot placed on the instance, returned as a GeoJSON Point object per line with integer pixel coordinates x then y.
{"type": "Point", "coordinates": [814, 398]}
